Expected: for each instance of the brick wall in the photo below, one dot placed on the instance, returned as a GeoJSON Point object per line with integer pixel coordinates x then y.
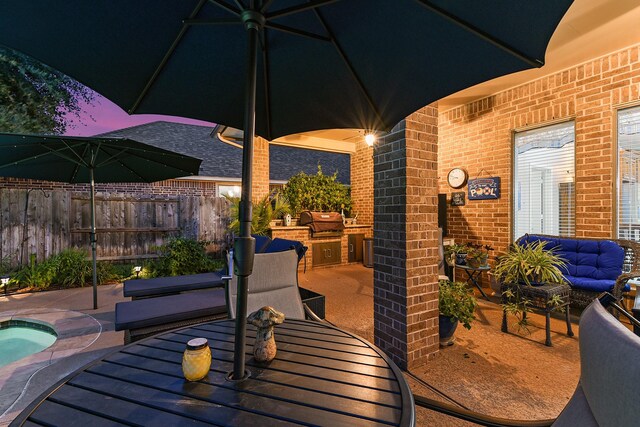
{"type": "Point", "coordinates": [405, 240]}
{"type": "Point", "coordinates": [478, 136]}
{"type": "Point", "coordinates": [362, 182]}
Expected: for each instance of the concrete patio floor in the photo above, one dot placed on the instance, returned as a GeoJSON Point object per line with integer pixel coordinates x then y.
{"type": "Point", "coordinates": [508, 375]}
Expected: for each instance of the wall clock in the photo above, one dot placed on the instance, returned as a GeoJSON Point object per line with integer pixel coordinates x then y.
{"type": "Point", "coordinates": [457, 177]}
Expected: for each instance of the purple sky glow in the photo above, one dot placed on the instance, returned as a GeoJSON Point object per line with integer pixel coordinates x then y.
{"type": "Point", "coordinates": [105, 116]}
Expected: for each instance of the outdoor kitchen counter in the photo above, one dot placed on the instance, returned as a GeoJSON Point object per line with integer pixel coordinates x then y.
{"type": "Point", "coordinates": [346, 241]}
{"type": "Point", "coordinates": [321, 376]}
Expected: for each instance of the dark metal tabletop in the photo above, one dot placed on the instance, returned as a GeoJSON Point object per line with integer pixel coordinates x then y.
{"type": "Point", "coordinates": [320, 376]}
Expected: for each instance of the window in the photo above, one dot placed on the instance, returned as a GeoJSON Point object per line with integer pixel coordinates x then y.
{"type": "Point", "coordinates": [544, 181]}
{"type": "Point", "coordinates": [629, 173]}
{"type": "Point", "coordinates": [229, 190]}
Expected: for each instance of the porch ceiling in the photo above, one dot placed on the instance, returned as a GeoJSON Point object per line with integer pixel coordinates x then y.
{"type": "Point", "coordinates": [591, 28]}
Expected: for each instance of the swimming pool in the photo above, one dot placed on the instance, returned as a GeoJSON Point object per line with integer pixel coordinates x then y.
{"type": "Point", "coordinates": [21, 338]}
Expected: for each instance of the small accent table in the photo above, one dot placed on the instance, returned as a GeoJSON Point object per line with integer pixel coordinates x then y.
{"type": "Point", "coordinates": [473, 274]}
{"type": "Point", "coordinates": [538, 297]}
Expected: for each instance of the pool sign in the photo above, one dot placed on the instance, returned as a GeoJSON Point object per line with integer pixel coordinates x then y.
{"type": "Point", "coordinates": [484, 188]}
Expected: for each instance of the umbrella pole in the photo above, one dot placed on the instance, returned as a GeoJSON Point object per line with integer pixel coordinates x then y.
{"type": "Point", "coordinates": [245, 244]}
{"type": "Point", "coordinates": [94, 278]}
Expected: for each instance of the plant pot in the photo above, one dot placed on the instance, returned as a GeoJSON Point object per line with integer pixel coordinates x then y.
{"type": "Point", "coordinates": [477, 262]}
{"type": "Point", "coordinates": [461, 259]}
{"type": "Point", "coordinates": [447, 327]}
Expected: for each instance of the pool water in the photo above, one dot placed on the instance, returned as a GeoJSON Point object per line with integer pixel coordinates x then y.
{"type": "Point", "coordinates": [17, 342]}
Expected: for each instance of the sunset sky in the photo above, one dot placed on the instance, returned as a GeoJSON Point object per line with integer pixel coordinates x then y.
{"type": "Point", "coordinates": [104, 116]}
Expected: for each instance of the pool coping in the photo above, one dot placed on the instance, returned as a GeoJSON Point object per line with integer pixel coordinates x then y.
{"type": "Point", "coordinates": [75, 331]}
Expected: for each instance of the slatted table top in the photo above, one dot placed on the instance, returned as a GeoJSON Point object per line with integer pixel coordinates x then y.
{"type": "Point", "coordinates": [321, 376]}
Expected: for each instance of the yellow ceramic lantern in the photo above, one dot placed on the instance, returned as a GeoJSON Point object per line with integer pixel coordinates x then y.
{"type": "Point", "coordinates": [196, 360]}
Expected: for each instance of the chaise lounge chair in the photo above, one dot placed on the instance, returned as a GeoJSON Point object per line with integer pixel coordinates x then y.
{"type": "Point", "coordinates": [161, 286]}
{"type": "Point", "coordinates": [148, 316]}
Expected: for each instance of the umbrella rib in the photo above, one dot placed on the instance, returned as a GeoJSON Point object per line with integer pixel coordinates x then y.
{"type": "Point", "coordinates": [351, 69]}
{"type": "Point", "coordinates": [296, 31]}
{"type": "Point", "coordinates": [226, 7]}
{"type": "Point", "coordinates": [297, 9]}
{"type": "Point", "coordinates": [114, 157]}
{"type": "Point", "coordinates": [265, 6]}
{"type": "Point", "coordinates": [534, 62]}
{"type": "Point", "coordinates": [165, 59]}
{"type": "Point", "coordinates": [192, 22]}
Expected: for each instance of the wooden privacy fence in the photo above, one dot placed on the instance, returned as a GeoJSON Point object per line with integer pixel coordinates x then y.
{"type": "Point", "coordinates": [128, 226]}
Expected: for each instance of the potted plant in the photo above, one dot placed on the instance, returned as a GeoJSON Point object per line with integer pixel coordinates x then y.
{"type": "Point", "coordinates": [530, 264]}
{"type": "Point", "coordinates": [457, 305]}
{"type": "Point", "coordinates": [477, 255]}
{"type": "Point", "coordinates": [456, 254]}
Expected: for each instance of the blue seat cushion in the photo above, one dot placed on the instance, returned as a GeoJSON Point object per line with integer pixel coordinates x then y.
{"type": "Point", "coordinates": [261, 242]}
{"type": "Point", "coordinates": [168, 309]}
{"type": "Point", "coordinates": [588, 259]}
{"type": "Point", "coordinates": [590, 284]}
{"type": "Point", "coordinates": [279, 245]}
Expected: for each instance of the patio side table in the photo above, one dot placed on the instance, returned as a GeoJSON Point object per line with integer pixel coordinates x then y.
{"type": "Point", "coordinates": [473, 274]}
{"type": "Point", "coordinates": [538, 297]}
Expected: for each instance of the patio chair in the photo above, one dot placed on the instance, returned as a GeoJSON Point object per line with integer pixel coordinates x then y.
{"type": "Point", "coordinates": [274, 282]}
{"type": "Point", "coordinates": [609, 383]}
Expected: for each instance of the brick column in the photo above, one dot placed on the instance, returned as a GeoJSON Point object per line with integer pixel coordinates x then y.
{"type": "Point", "coordinates": [260, 178]}
{"type": "Point", "coordinates": [362, 182]}
{"type": "Point", "coordinates": [405, 240]}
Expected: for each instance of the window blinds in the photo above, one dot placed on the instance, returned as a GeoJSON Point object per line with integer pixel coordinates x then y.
{"type": "Point", "coordinates": [629, 173]}
{"type": "Point", "coordinates": [544, 181]}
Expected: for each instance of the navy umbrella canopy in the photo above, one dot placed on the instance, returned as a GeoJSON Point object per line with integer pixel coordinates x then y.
{"type": "Point", "coordinates": [90, 160]}
{"type": "Point", "coordinates": [277, 67]}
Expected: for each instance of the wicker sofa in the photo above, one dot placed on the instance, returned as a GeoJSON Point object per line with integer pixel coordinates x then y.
{"type": "Point", "coordinates": [593, 265]}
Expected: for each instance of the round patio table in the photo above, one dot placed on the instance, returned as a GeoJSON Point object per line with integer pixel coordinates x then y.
{"type": "Point", "coordinates": [320, 376]}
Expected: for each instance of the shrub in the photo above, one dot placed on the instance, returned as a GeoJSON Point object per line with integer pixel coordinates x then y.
{"type": "Point", "coordinates": [182, 256]}
{"type": "Point", "coordinates": [73, 268]}
{"type": "Point", "coordinates": [39, 275]}
{"type": "Point", "coordinates": [317, 192]}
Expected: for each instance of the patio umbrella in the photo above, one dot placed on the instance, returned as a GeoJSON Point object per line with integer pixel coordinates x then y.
{"type": "Point", "coordinates": [90, 160]}
{"type": "Point", "coordinates": [294, 65]}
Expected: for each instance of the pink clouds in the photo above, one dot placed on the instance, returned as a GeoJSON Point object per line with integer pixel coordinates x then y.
{"type": "Point", "coordinates": [104, 116]}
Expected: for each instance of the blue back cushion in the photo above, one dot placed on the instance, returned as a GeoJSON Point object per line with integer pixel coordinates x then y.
{"type": "Point", "coordinates": [594, 259]}
{"type": "Point", "coordinates": [279, 245]}
{"type": "Point", "coordinates": [261, 242]}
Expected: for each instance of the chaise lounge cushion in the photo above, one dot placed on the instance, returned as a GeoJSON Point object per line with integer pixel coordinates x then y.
{"type": "Point", "coordinates": [173, 308]}
{"type": "Point", "coordinates": [592, 265]}
{"type": "Point", "coordinates": [173, 284]}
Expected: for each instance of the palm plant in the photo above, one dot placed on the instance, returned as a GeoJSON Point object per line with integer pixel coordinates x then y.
{"type": "Point", "coordinates": [264, 211]}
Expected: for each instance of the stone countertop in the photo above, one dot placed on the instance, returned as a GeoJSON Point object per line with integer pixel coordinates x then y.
{"type": "Point", "coordinates": [305, 227]}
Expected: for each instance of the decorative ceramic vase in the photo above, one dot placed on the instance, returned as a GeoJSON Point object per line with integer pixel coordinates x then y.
{"type": "Point", "coordinates": [264, 347]}
{"type": "Point", "coordinates": [461, 259]}
{"type": "Point", "coordinates": [196, 359]}
{"type": "Point", "coordinates": [447, 327]}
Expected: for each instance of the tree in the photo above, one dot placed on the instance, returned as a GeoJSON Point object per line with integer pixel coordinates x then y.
{"type": "Point", "coordinates": [35, 98]}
